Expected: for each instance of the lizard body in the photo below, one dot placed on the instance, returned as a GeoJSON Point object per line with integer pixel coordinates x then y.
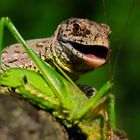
{"type": "Point", "coordinates": [77, 46]}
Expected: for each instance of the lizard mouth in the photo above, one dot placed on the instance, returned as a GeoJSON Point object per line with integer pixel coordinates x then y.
{"type": "Point", "coordinates": [93, 55]}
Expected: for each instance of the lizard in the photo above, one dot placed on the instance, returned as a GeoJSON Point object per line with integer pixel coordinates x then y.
{"type": "Point", "coordinates": [77, 46]}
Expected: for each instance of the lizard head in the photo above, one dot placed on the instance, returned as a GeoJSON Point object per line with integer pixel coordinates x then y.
{"type": "Point", "coordinates": [85, 43]}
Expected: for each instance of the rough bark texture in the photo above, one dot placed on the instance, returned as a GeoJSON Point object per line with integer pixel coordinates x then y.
{"type": "Point", "coordinates": [19, 120]}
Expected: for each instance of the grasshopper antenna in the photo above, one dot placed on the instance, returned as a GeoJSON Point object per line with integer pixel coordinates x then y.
{"type": "Point", "coordinates": [104, 11]}
{"type": "Point", "coordinates": [106, 21]}
{"type": "Point", "coordinates": [121, 40]}
{"type": "Point", "coordinates": [112, 70]}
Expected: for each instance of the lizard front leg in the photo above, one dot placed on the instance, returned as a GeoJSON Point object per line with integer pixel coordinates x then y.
{"type": "Point", "coordinates": [88, 90]}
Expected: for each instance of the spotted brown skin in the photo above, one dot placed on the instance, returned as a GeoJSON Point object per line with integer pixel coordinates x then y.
{"type": "Point", "coordinates": [77, 46]}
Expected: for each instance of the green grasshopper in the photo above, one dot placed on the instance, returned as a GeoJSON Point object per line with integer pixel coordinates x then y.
{"type": "Point", "coordinates": [94, 116]}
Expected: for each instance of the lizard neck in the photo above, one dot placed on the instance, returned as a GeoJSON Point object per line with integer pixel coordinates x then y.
{"type": "Point", "coordinates": [59, 54]}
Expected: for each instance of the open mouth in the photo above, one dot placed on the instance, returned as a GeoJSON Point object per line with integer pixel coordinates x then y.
{"type": "Point", "coordinates": [93, 55]}
{"type": "Point", "coordinates": [93, 51]}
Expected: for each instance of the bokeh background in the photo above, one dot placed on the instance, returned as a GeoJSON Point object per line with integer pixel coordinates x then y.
{"type": "Point", "coordinates": [39, 19]}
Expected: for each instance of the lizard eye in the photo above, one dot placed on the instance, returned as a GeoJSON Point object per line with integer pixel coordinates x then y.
{"type": "Point", "coordinates": [76, 27]}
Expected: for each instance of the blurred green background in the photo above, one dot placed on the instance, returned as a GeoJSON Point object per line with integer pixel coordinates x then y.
{"type": "Point", "coordinates": [39, 19]}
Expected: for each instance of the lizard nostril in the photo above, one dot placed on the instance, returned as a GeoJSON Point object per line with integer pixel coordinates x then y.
{"type": "Point", "coordinates": [96, 36]}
